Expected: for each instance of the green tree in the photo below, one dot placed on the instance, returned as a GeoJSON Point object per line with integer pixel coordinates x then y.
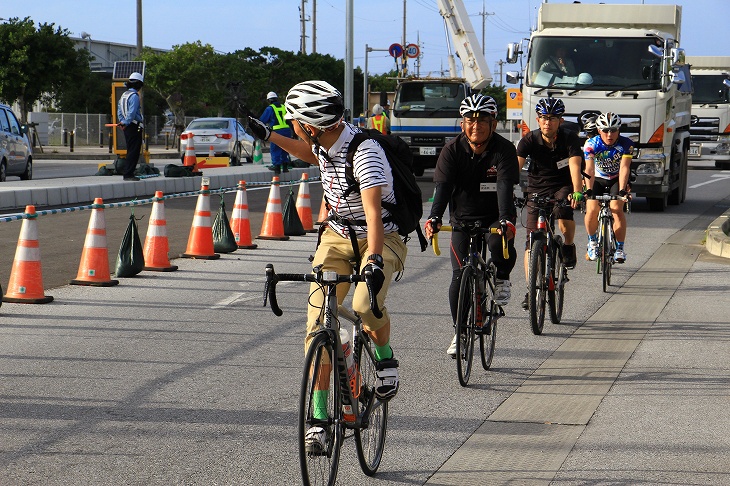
{"type": "Point", "coordinates": [500, 96]}
{"type": "Point", "coordinates": [87, 93]}
{"type": "Point", "coordinates": [37, 63]}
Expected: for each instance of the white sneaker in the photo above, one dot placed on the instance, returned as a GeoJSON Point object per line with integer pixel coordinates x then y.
{"type": "Point", "coordinates": [592, 250]}
{"type": "Point", "coordinates": [452, 348]}
{"type": "Point", "coordinates": [619, 256]}
{"type": "Point", "coordinates": [315, 441]}
{"type": "Point", "coordinates": [502, 291]}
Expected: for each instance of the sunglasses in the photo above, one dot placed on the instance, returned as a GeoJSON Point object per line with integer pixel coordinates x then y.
{"type": "Point", "coordinates": [609, 130]}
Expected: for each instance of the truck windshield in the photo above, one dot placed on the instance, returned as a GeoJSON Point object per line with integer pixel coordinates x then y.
{"type": "Point", "coordinates": [593, 63]}
{"type": "Point", "coordinates": [709, 89]}
{"type": "Point", "coordinates": [429, 97]}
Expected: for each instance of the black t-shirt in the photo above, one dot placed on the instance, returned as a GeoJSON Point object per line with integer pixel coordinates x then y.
{"type": "Point", "coordinates": [481, 186]}
{"type": "Point", "coordinates": [549, 167]}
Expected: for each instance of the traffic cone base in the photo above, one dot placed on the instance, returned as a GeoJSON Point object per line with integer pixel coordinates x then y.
{"type": "Point", "coordinates": [94, 266]}
{"type": "Point", "coordinates": [156, 244]}
{"type": "Point", "coordinates": [272, 227]}
{"type": "Point", "coordinates": [26, 276]}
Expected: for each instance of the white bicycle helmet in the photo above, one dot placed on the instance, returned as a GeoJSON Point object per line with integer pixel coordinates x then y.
{"type": "Point", "coordinates": [608, 120]}
{"type": "Point", "coordinates": [315, 103]}
{"type": "Point", "coordinates": [588, 121]}
{"type": "Point", "coordinates": [475, 104]}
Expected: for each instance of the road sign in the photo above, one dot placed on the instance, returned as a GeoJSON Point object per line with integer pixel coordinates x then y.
{"type": "Point", "coordinates": [412, 51]}
{"type": "Point", "coordinates": [395, 50]}
{"type": "Point", "coordinates": [514, 104]}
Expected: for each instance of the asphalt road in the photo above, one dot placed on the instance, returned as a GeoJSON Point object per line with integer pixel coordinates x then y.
{"type": "Point", "coordinates": [183, 378]}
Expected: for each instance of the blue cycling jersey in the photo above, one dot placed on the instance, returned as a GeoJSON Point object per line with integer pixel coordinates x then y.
{"type": "Point", "coordinates": [607, 158]}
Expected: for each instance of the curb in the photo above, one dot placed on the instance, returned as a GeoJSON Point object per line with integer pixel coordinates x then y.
{"type": "Point", "coordinates": [718, 241]}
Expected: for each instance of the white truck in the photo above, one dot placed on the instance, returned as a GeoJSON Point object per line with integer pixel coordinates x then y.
{"type": "Point", "coordinates": [619, 58]}
{"type": "Point", "coordinates": [426, 110]}
{"type": "Point", "coordinates": [710, 130]}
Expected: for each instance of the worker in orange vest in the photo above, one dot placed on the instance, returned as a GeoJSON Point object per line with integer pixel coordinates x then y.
{"type": "Point", "coordinates": [379, 121]}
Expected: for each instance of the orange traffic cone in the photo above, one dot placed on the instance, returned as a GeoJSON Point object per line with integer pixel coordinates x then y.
{"type": "Point", "coordinates": [272, 227]}
{"type": "Point", "coordinates": [211, 152]}
{"type": "Point", "coordinates": [323, 211]}
{"type": "Point", "coordinates": [156, 245]}
{"type": "Point", "coordinates": [304, 206]}
{"type": "Point", "coordinates": [200, 241]}
{"type": "Point", "coordinates": [94, 266]}
{"type": "Point", "coordinates": [190, 160]}
{"type": "Point", "coordinates": [26, 277]}
{"type": "Point", "coordinates": [240, 222]}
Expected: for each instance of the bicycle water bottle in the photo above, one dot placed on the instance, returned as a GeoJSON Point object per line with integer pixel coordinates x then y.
{"type": "Point", "coordinates": [541, 223]}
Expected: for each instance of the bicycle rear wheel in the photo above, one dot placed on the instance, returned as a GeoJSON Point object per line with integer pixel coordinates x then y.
{"type": "Point", "coordinates": [559, 278]}
{"type": "Point", "coordinates": [369, 440]}
{"type": "Point", "coordinates": [607, 255]}
{"type": "Point", "coordinates": [465, 322]}
{"type": "Point", "coordinates": [538, 291]}
{"type": "Point", "coordinates": [319, 467]}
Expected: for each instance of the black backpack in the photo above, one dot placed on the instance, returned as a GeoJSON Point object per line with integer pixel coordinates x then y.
{"type": "Point", "coordinates": [408, 209]}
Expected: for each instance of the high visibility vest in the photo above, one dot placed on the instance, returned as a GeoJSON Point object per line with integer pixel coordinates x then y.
{"type": "Point", "coordinates": [379, 123]}
{"type": "Point", "coordinates": [280, 111]}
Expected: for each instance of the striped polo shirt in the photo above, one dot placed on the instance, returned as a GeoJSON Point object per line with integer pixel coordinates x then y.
{"type": "Point", "coordinates": [370, 168]}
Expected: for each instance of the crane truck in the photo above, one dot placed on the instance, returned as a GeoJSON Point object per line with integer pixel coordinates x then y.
{"type": "Point", "coordinates": [426, 110]}
{"type": "Point", "coordinates": [710, 131]}
{"type": "Point", "coordinates": [623, 59]}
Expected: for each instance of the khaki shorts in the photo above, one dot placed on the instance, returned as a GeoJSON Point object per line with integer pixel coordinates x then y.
{"type": "Point", "coordinates": [335, 253]}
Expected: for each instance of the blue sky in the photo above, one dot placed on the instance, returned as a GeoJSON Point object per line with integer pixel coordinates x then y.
{"type": "Point", "coordinates": [229, 25]}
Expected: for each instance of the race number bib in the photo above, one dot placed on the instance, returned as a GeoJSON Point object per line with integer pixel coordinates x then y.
{"type": "Point", "coordinates": [562, 164]}
{"type": "Point", "coordinates": [487, 187]}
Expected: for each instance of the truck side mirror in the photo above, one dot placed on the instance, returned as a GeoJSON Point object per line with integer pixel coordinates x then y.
{"type": "Point", "coordinates": [678, 77]}
{"type": "Point", "coordinates": [678, 57]}
{"type": "Point", "coordinates": [513, 52]}
{"type": "Point", "coordinates": [513, 77]}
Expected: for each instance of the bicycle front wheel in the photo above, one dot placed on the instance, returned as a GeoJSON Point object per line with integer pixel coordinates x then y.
{"type": "Point", "coordinates": [465, 322]}
{"type": "Point", "coordinates": [492, 312]}
{"type": "Point", "coordinates": [607, 255]}
{"type": "Point", "coordinates": [370, 439]}
{"type": "Point", "coordinates": [320, 405]}
{"type": "Point", "coordinates": [538, 290]}
{"type": "Point", "coordinates": [559, 278]}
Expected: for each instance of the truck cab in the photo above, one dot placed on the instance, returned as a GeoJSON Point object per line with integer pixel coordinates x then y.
{"type": "Point", "coordinates": [710, 129]}
{"type": "Point", "coordinates": [426, 116]}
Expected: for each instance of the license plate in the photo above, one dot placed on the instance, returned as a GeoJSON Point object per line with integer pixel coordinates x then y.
{"type": "Point", "coordinates": [427, 150]}
{"type": "Point", "coordinates": [694, 150]}
{"type": "Point", "coordinates": [205, 139]}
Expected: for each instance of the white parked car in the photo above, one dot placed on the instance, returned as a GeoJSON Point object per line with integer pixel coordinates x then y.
{"type": "Point", "coordinates": [226, 136]}
{"type": "Point", "coordinates": [16, 153]}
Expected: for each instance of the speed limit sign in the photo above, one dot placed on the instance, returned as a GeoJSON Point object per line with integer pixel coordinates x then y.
{"type": "Point", "coordinates": [412, 50]}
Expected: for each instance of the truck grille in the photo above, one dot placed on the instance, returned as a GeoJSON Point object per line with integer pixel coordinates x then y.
{"type": "Point", "coordinates": [704, 130]}
{"type": "Point", "coordinates": [427, 140]}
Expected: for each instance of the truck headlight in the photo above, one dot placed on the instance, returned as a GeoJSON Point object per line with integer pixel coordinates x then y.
{"type": "Point", "coordinates": [725, 137]}
{"type": "Point", "coordinates": [650, 168]}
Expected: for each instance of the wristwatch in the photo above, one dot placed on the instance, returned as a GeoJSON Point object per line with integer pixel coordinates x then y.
{"type": "Point", "coordinates": [378, 259]}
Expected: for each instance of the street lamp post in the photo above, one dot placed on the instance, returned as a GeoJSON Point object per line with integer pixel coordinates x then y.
{"type": "Point", "coordinates": [365, 90]}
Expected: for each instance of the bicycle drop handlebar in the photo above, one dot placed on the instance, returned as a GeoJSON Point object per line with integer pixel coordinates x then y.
{"type": "Point", "coordinates": [503, 228]}
{"type": "Point", "coordinates": [319, 277]}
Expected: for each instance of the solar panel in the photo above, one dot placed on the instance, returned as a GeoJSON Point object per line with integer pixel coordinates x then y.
{"type": "Point", "coordinates": [122, 69]}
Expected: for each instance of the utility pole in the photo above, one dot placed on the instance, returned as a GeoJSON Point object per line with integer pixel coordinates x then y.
{"type": "Point", "coordinates": [303, 22]}
{"type": "Point", "coordinates": [314, 26]}
{"type": "Point", "coordinates": [484, 15]}
{"type": "Point", "coordinates": [349, 58]}
{"type": "Point", "coordinates": [139, 27]}
{"type": "Point", "coordinates": [404, 66]}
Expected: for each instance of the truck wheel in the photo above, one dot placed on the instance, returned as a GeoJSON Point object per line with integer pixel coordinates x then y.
{"type": "Point", "coordinates": [657, 203]}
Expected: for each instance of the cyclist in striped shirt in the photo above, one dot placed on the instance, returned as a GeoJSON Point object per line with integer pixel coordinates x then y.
{"type": "Point", "coordinates": [358, 228]}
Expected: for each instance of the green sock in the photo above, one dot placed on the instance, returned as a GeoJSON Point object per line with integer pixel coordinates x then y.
{"type": "Point", "coordinates": [319, 404]}
{"type": "Point", "coordinates": [383, 352]}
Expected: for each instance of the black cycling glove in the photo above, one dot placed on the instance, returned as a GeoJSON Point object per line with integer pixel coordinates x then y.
{"type": "Point", "coordinates": [588, 193]}
{"type": "Point", "coordinates": [435, 222]}
{"type": "Point", "coordinates": [623, 193]}
{"type": "Point", "coordinates": [378, 278]}
{"type": "Point", "coordinates": [259, 129]}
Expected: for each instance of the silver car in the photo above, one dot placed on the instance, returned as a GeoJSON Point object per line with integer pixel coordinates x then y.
{"type": "Point", "coordinates": [16, 153]}
{"type": "Point", "coordinates": [225, 136]}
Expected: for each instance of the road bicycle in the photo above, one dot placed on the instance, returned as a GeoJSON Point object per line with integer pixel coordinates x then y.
{"type": "Point", "coordinates": [351, 401]}
{"type": "Point", "coordinates": [477, 313]}
{"type": "Point", "coordinates": [606, 236]}
{"type": "Point", "coordinates": [547, 274]}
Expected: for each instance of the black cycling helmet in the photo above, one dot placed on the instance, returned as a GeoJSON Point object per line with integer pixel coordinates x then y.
{"type": "Point", "coordinates": [550, 106]}
{"type": "Point", "coordinates": [476, 104]}
{"type": "Point", "coordinates": [588, 122]}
